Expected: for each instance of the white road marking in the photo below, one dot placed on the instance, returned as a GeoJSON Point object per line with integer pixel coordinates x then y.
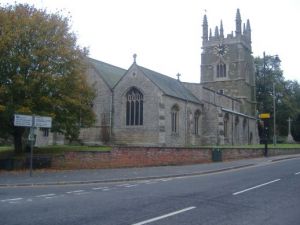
{"type": "Point", "coordinates": [122, 185]}
{"type": "Point", "coordinates": [11, 200]}
{"type": "Point", "coordinates": [72, 192]}
{"type": "Point", "coordinates": [97, 188]}
{"type": "Point", "coordinates": [131, 185]}
{"type": "Point", "coordinates": [297, 173]}
{"type": "Point", "coordinates": [45, 195]}
{"type": "Point", "coordinates": [100, 188]}
{"type": "Point", "coordinates": [258, 186]}
{"type": "Point", "coordinates": [167, 179]}
{"type": "Point", "coordinates": [14, 202]}
{"type": "Point", "coordinates": [82, 193]}
{"type": "Point", "coordinates": [145, 181]}
{"type": "Point", "coordinates": [165, 216]}
{"type": "Point", "coordinates": [151, 182]}
{"type": "Point", "coordinates": [105, 189]}
{"type": "Point", "coordinates": [49, 197]}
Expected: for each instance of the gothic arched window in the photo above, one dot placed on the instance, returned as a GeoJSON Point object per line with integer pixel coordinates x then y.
{"type": "Point", "coordinates": [196, 122]}
{"type": "Point", "coordinates": [221, 70]}
{"type": "Point", "coordinates": [226, 121]}
{"type": "Point", "coordinates": [134, 107]}
{"type": "Point", "coordinates": [174, 119]}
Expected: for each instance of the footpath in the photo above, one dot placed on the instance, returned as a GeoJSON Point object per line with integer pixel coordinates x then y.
{"type": "Point", "coordinates": [65, 177]}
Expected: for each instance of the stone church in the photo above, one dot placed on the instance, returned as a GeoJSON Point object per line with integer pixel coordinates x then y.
{"type": "Point", "coordinates": [142, 107]}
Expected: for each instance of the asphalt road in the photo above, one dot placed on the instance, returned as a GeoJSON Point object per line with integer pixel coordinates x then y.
{"type": "Point", "coordinates": [265, 194]}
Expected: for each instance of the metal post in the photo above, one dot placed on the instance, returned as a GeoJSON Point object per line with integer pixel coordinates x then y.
{"type": "Point", "coordinates": [266, 137]}
{"type": "Point", "coordinates": [31, 142]}
{"type": "Point", "coordinates": [264, 73]}
{"type": "Point", "coordinates": [274, 116]}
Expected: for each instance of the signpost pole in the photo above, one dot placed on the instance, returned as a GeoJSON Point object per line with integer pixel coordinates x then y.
{"type": "Point", "coordinates": [266, 134]}
{"type": "Point", "coordinates": [31, 142]}
{"type": "Point", "coordinates": [32, 122]}
{"type": "Point", "coordinates": [265, 118]}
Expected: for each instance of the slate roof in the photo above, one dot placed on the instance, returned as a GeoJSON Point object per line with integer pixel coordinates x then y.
{"type": "Point", "coordinates": [111, 74]}
{"type": "Point", "coordinates": [169, 86]}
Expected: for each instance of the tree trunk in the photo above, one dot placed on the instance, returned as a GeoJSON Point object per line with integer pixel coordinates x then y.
{"type": "Point", "coordinates": [18, 134]}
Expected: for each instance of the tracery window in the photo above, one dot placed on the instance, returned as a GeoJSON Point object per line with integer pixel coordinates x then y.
{"type": "Point", "coordinates": [221, 70]}
{"type": "Point", "coordinates": [174, 119]}
{"type": "Point", "coordinates": [134, 107]}
{"type": "Point", "coordinates": [196, 122]}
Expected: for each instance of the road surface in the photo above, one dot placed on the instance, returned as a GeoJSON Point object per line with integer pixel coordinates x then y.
{"type": "Point", "coordinates": [264, 194]}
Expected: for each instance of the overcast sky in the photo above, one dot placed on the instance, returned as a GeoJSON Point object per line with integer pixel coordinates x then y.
{"type": "Point", "coordinates": [166, 34]}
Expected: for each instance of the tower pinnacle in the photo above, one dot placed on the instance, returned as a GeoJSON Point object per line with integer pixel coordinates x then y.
{"type": "Point", "coordinates": [221, 30]}
{"type": "Point", "coordinates": [205, 28]}
{"type": "Point", "coordinates": [248, 30]}
{"type": "Point", "coordinates": [216, 32]}
{"type": "Point", "coordinates": [238, 23]}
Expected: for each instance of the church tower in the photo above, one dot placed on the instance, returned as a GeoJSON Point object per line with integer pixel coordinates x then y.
{"type": "Point", "coordinates": [227, 64]}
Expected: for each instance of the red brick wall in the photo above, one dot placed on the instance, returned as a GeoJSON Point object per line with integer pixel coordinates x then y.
{"type": "Point", "coordinates": [244, 153]}
{"type": "Point", "coordinates": [132, 157]}
{"type": "Point", "coordinates": [154, 156]}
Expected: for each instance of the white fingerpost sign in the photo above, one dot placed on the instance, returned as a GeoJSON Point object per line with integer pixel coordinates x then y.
{"type": "Point", "coordinates": [32, 122]}
{"type": "Point", "coordinates": [23, 120]}
{"type": "Point", "coordinates": [26, 121]}
{"type": "Point", "coordinates": [43, 121]}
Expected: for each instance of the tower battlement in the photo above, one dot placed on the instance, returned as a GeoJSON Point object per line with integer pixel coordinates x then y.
{"type": "Point", "coordinates": [241, 35]}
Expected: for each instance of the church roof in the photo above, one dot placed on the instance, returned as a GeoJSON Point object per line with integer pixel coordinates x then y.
{"type": "Point", "coordinates": [169, 86]}
{"type": "Point", "coordinates": [111, 74]}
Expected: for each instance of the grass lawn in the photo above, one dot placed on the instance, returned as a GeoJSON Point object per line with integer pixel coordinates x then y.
{"type": "Point", "coordinates": [284, 146]}
{"type": "Point", "coordinates": [6, 148]}
{"type": "Point", "coordinates": [59, 149]}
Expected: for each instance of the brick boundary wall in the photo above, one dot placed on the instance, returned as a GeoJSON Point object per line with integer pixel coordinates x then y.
{"type": "Point", "coordinates": [120, 157]}
{"type": "Point", "coordinates": [155, 156]}
{"type": "Point", "coordinates": [132, 157]}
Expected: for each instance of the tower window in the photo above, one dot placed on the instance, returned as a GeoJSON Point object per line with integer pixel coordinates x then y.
{"type": "Point", "coordinates": [134, 107]}
{"type": "Point", "coordinates": [221, 70]}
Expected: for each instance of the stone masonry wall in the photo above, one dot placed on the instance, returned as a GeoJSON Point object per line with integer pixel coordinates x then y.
{"type": "Point", "coordinates": [148, 133]}
{"type": "Point", "coordinates": [102, 108]}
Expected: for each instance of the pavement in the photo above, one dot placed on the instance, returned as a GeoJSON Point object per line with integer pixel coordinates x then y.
{"type": "Point", "coordinates": [85, 176]}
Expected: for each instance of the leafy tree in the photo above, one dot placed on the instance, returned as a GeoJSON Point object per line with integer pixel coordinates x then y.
{"type": "Point", "coordinates": [287, 93]}
{"type": "Point", "coordinates": [296, 128]}
{"type": "Point", "coordinates": [41, 72]}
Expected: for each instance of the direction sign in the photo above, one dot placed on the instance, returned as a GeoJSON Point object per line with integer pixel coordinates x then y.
{"type": "Point", "coordinates": [22, 120]}
{"type": "Point", "coordinates": [264, 116]}
{"type": "Point", "coordinates": [43, 121]}
{"type": "Point", "coordinates": [26, 121]}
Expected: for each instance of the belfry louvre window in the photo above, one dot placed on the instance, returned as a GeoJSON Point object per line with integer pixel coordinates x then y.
{"type": "Point", "coordinates": [174, 119]}
{"type": "Point", "coordinates": [134, 107]}
{"type": "Point", "coordinates": [221, 70]}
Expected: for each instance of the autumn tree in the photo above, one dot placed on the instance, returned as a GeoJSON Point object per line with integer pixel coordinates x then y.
{"type": "Point", "coordinates": [41, 72]}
